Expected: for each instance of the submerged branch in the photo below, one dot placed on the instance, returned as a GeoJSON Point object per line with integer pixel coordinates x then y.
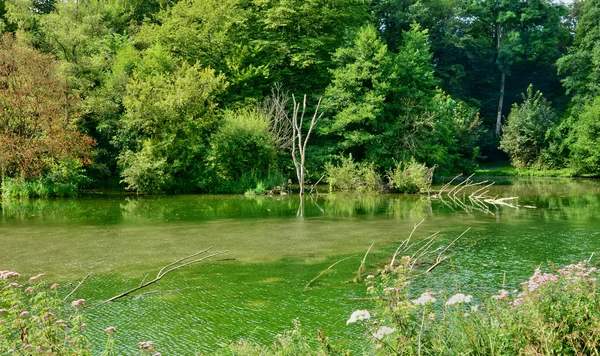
{"type": "Point", "coordinates": [170, 268]}
{"type": "Point", "coordinates": [325, 270]}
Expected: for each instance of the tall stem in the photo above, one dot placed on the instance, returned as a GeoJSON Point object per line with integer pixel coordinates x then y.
{"type": "Point", "coordinates": [500, 104]}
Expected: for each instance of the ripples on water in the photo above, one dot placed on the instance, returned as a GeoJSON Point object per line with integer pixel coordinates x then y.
{"type": "Point", "coordinates": [255, 290]}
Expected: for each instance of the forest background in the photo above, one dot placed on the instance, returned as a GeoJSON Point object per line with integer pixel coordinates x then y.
{"type": "Point", "coordinates": [196, 95]}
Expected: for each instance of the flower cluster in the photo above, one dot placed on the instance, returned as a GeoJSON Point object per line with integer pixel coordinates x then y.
{"type": "Point", "coordinates": [8, 275]}
{"type": "Point", "coordinates": [578, 271]}
{"type": "Point", "coordinates": [459, 299]}
{"type": "Point", "coordinates": [539, 279]}
{"type": "Point", "coordinates": [425, 298]}
{"type": "Point", "coordinates": [358, 315]}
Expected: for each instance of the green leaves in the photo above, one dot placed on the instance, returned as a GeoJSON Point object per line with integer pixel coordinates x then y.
{"type": "Point", "coordinates": [167, 126]}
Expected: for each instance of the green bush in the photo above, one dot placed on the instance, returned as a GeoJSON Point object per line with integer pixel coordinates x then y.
{"type": "Point", "coordinates": [35, 321]}
{"type": "Point", "coordinates": [63, 180]}
{"type": "Point", "coordinates": [243, 144]}
{"type": "Point", "coordinates": [526, 134]}
{"type": "Point", "coordinates": [411, 177]}
{"type": "Point", "coordinates": [350, 175]}
{"type": "Point", "coordinates": [553, 314]}
{"type": "Point", "coordinates": [291, 342]}
{"type": "Point", "coordinates": [585, 152]}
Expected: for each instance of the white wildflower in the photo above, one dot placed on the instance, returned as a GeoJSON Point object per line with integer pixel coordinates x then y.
{"type": "Point", "coordinates": [459, 298]}
{"type": "Point", "coordinates": [358, 315]}
{"type": "Point", "coordinates": [383, 331]}
{"type": "Point", "coordinates": [425, 298]}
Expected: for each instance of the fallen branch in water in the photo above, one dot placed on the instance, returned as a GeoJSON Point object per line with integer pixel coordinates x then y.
{"type": "Point", "coordinates": [478, 199]}
{"type": "Point", "coordinates": [325, 270]}
{"type": "Point", "coordinates": [76, 288]}
{"type": "Point", "coordinates": [361, 268]}
{"type": "Point", "coordinates": [170, 268]}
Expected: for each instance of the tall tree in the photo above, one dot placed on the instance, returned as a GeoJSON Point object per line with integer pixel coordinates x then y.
{"type": "Point", "coordinates": [519, 32]}
{"type": "Point", "coordinates": [37, 122]}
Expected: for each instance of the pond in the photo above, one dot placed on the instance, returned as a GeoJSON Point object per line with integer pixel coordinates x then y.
{"type": "Point", "coordinates": [276, 245]}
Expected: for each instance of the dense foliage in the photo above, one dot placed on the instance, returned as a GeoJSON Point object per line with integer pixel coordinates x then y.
{"type": "Point", "coordinates": [150, 92]}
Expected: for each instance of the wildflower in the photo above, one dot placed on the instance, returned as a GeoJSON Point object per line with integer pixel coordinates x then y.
{"type": "Point", "coordinates": [146, 345]}
{"type": "Point", "coordinates": [370, 289]}
{"type": "Point", "coordinates": [8, 275]}
{"type": "Point", "coordinates": [518, 302]}
{"type": "Point", "coordinates": [24, 313]}
{"type": "Point", "coordinates": [383, 331]}
{"type": "Point", "coordinates": [78, 303]}
{"type": "Point", "coordinates": [458, 299]}
{"type": "Point", "coordinates": [54, 286]}
{"type": "Point", "coordinates": [3, 310]}
{"type": "Point", "coordinates": [358, 315]}
{"type": "Point", "coordinates": [59, 321]}
{"type": "Point", "coordinates": [111, 329]}
{"type": "Point", "coordinates": [27, 347]}
{"type": "Point", "coordinates": [29, 289]}
{"type": "Point", "coordinates": [36, 277]}
{"type": "Point", "coordinates": [370, 277]}
{"type": "Point", "coordinates": [502, 294]}
{"type": "Point", "coordinates": [539, 279]}
{"type": "Point", "coordinates": [425, 298]}
{"type": "Point", "coordinates": [13, 285]}
{"type": "Point", "coordinates": [83, 325]}
{"type": "Point", "coordinates": [48, 315]}
{"type": "Point", "coordinates": [475, 308]}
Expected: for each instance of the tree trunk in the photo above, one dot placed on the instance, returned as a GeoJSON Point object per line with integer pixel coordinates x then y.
{"type": "Point", "coordinates": [500, 104]}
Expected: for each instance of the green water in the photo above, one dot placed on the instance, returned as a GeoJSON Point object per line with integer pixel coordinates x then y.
{"type": "Point", "coordinates": [258, 287]}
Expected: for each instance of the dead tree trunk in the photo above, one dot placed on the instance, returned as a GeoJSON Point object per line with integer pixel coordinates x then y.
{"type": "Point", "coordinates": [298, 142]}
{"type": "Point", "coordinates": [500, 105]}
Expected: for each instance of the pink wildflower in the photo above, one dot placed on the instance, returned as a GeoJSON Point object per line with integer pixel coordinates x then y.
{"type": "Point", "coordinates": [13, 285]}
{"type": "Point", "coordinates": [54, 286]}
{"type": "Point", "coordinates": [8, 275]}
{"type": "Point", "coordinates": [502, 294]}
{"type": "Point", "coordinates": [146, 345]}
{"type": "Point", "coordinates": [24, 313]}
{"type": "Point", "coordinates": [48, 315]}
{"type": "Point", "coordinates": [29, 289]}
{"type": "Point", "coordinates": [83, 325]}
{"type": "Point", "coordinates": [27, 347]}
{"type": "Point", "coordinates": [36, 277]}
{"type": "Point", "coordinates": [78, 303]}
{"type": "Point", "coordinates": [110, 329]}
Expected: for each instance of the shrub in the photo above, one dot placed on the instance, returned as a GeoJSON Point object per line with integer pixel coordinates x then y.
{"type": "Point", "coordinates": [350, 175]}
{"type": "Point", "coordinates": [525, 135]}
{"type": "Point", "coordinates": [411, 177]}
{"type": "Point", "coordinates": [243, 145]}
{"type": "Point", "coordinates": [291, 342]}
{"type": "Point", "coordinates": [585, 152]}
{"type": "Point", "coordinates": [553, 314]}
{"type": "Point", "coordinates": [35, 321]}
{"type": "Point", "coordinates": [63, 179]}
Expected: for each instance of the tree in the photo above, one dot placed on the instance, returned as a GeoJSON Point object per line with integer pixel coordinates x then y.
{"type": "Point", "coordinates": [356, 97]}
{"type": "Point", "coordinates": [518, 32]}
{"type": "Point", "coordinates": [169, 117]}
{"type": "Point", "coordinates": [38, 128]}
{"type": "Point", "coordinates": [526, 132]}
{"type": "Point", "coordinates": [300, 141]}
{"type": "Point", "coordinates": [582, 63]}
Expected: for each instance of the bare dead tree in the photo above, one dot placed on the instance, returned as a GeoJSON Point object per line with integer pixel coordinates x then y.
{"type": "Point", "coordinates": [275, 107]}
{"type": "Point", "coordinates": [298, 141]}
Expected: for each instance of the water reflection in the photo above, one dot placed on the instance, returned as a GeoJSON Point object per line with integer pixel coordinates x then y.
{"type": "Point", "coordinates": [277, 244]}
